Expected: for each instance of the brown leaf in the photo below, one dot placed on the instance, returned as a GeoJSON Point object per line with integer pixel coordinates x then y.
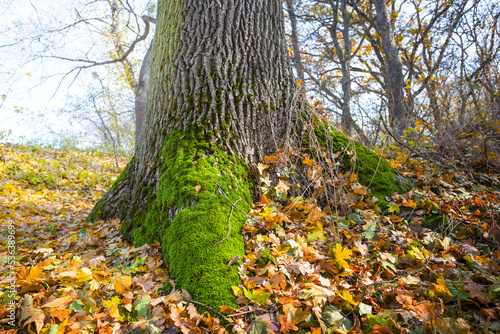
{"type": "Point", "coordinates": [233, 260]}
{"type": "Point", "coordinates": [424, 311]}
{"type": "Point", "coordinates": [476, 291]}
{"type": "Point", "coordinates": [278, 280]}
{"type": "Point", "coordinates": [452, 326]}
{"type": "Point", "coordinates": [31, 314]}
{"type": "Point", "coordinates": [96, 261]}
{"type": "Point", "coordinates": [286, 324]}
{"type": "Point", "coordinates": [145, 282]}
{"type": "Point", "coordinates": [489, 313]}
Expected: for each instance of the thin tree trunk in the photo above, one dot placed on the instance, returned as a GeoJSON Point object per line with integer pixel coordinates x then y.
{"type": "Point", "coordinates": [297, 62]}
{"type": "Point", "coordinates": [394, 70]}
{"type": "Point", "coordinates": [141, 93]}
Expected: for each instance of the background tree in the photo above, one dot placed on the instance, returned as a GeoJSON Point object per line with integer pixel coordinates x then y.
{"type": "Point", "coordinates": [109, 51]}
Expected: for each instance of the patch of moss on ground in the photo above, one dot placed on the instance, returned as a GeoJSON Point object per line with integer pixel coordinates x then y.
{"type": "Point", "coordinates": [373, 171]}
{"type": "Point", "coordinates": [190, 185]}
{"type": "Point", "coordinates": [434, 222]}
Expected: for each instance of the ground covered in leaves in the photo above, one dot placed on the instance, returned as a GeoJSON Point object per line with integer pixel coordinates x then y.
{"type": "Point", "coordinates": [324, 258]}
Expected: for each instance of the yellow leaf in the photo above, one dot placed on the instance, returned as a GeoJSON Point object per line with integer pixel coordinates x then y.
{"type": "Point", "coordinates": [394, 163]}
{"type": "Point", "coordinates": [236, 291]}
{"type": "Point", "coordinates": [28, 274]}
{"type": "Point", "coordinates": [316, 233]}
{"type": "Point", "coordinates": [469, 259]}
{"type": "Point", "coordinates": [441, 288]}
{"type": "Point", "coordinates": [340, 255]}
{"type": "Point", "coordinates": [349, 298]}
{"type": "Point", "coordinates": [308, 161]}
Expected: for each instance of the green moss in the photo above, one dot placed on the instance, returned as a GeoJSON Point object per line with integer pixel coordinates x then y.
{"type": "Point", "coordinates": [373, 171]}
{"type": "Point", "coordinates": [434, 222]}
{"type": "Point", "coordinates": [189, 185]}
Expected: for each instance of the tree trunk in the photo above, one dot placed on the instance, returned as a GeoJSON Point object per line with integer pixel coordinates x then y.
{"type": "Point", "coordinates": [219, 99]}
{"type": "Point", "coordinates": [395, 78]}
{"type": "Point", "coordinates": [141, 92]}
{"type": "Point", "coordinates": [297, 61]}
{"type": "Point", "coordinates": [344, 57]}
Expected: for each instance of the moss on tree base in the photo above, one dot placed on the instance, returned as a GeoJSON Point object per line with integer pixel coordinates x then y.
{"type": "Point", "coordinates": [189, 216]}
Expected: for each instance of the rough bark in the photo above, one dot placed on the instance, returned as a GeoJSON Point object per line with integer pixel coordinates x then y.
{"type": "Point", "coordinates": [219, 99]}
{"type": "Point", "coordinates": [395, 78]}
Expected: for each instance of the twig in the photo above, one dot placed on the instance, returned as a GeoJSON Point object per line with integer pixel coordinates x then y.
{"type": "Point", "coordinates": [241, 313]}
{"type": "Point", "coordinates": [376, 170]}
{"type": "Point", "coordinates": [228, 222]}
{"type": "Point", "coordinates": [207, 307]}
{"type": "Point", "coordinates": [234, 205]}
{"type": "Point", "coordinates": [303, 193]}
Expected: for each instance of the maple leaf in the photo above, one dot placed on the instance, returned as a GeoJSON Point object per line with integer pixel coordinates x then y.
{"type": "Point", "coordinates": [441, 289]}
{"type": "Point", "coordinates": [278, 280]}
{"type": "Point", "coordinates": [123, 284]}
{"type": "Point", "coordinates": [29, 274]}
{"type": "Point", "coordinates": [424, 311]}
{"type": "Point", "coordinates": [283, 186]}
{"type": "Point", "coordinates": [146, 282]}
{"type": "Point", "coordinates": [340, 255]}
{"type": "Point", "coordinates": [302, 268]}
{"type": "Point", "coordinates": [286, 324]}
{"type": "Point", "coordinates": [392, 207]}
{"type": "Point", "coordinates": [30, 314]}
{"type": "Point", "coordinates": [316, 233]}
{"type": "Point", "coordinates": [318, 294]}
{"type": "Point", "coordinates": [262, 167]}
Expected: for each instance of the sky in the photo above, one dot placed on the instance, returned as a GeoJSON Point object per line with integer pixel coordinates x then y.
{"type": "Point", "coordinates": [34, 88]}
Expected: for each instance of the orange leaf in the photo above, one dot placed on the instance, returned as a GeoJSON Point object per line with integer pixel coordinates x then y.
{"type": "Point", "coordinates": [424, 311]}
{"type": "Point", "coordinates": [286, 324]}
{"type": "Point", "coordinates": [315, 214]}
{"type": "Point", "coordinates": [28, 274]}
{"type": "Point", "coordinates": [308, 161]}
{"type": "Point", "coordinates": [123, 284]}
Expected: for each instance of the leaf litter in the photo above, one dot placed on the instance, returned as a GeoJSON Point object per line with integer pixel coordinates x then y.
{"type": "Point", "coordinates": [428, 262]}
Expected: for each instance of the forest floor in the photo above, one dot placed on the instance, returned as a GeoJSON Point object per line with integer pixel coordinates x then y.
{"type": "Point", "coordinates": [428, 263]}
